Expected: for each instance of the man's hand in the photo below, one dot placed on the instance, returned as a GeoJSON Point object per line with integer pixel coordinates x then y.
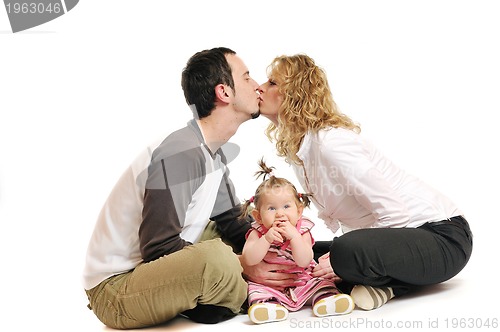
{"type": "Point", "coordinates": [271, 275]}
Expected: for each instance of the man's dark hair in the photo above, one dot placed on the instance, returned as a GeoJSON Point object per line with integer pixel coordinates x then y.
{"type": "Point", "coordinates": [203, 72]}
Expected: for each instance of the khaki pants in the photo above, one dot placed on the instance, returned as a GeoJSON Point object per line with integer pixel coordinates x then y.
{"type": "Point", "coordinates": [153, 293]}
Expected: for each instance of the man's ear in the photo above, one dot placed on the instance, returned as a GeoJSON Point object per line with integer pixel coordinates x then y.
{"type": "Point", "coordinates": [256, 216]}
{"type": "Point", "coordinates": [223, 93]}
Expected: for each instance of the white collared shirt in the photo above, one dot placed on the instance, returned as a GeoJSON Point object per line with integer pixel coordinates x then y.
{"type": "Point", "coordinates": [356, 186]}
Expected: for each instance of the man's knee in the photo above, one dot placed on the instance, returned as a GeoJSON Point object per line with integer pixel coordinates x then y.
{"type": "Point", "coordinates": [223, 282]}
{"type": "Point", "coordinates": [219, 255]}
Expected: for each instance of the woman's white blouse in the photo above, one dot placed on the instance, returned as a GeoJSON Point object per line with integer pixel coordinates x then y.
{"type": "Point", "coordinates": [356, 186]}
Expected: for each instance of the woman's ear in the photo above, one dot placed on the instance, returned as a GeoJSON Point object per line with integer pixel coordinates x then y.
{"type": "Point", "coordinates": [256, 216]}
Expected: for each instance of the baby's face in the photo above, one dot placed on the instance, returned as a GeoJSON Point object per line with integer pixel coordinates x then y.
{"type": "Point", "coordinates": [277, 205]}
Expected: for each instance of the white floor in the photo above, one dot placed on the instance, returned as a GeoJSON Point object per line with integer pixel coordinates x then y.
{"type": "Point", "coordinates": [465, 301]}
{"type": "Point", "coordinates": [455, 303]}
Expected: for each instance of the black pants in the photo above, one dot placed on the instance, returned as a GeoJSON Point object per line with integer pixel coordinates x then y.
{"type": "Point", "coordinates": [402, 258]}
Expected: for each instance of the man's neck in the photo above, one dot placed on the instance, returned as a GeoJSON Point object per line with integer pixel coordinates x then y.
{"type": "Point", "coordinates": [216, 133]}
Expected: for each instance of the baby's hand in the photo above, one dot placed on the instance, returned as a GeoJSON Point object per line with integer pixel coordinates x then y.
{"type": "Point", "coordinates": [273, 234]}
{"type": "Point", "coordinates": [287, 230]}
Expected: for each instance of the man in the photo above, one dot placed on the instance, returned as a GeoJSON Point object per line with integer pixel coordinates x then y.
{"type": "Point", "coordinates": [145, 262]}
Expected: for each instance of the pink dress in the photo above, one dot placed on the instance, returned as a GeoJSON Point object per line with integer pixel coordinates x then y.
{"type": "Point", "coordinates": [293, 298]}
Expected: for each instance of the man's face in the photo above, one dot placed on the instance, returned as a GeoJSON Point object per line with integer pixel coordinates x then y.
{"type": "Point", "coordinates": [246, 97]}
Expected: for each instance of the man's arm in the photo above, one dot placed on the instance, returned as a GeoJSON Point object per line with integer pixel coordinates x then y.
{"type": "Point", "coordinates": [267, 274]}
{"type": "Point", "coordinates": [171, 182]}
{"type": "Point", "coordinates": [160, 229]}
{"type": "Point", "coordinates": [232, 227]}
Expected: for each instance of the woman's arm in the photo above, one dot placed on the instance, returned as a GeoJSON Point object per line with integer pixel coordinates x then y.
{"type": "Point", "coordinates": [359, 175]}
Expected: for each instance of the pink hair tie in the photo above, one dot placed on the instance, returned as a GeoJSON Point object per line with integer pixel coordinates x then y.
{"type": "Point", "coordinates": [251, 199]}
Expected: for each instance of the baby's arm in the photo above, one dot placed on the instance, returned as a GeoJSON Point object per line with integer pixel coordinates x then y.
{"type": "Point", "coordinates": [256, 247]}
{"type": "Point", "coordinates": [301, 244]}
{"type": "Point", "coordinates": [302, 249]}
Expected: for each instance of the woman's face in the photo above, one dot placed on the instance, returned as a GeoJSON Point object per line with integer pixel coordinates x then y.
{"type": "Point", "coordinates": [270, 100]}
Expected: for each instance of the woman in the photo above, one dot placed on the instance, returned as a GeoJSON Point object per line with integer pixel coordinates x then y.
{"type": "Point", "coordinates": [398, 232]}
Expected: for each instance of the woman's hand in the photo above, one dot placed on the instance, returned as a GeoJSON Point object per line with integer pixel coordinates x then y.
{"type": "Point", "coordinates": [324, 269]}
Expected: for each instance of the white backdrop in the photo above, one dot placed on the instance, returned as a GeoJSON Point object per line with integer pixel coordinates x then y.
{"type": "Point", "coordinates": [81, 95]}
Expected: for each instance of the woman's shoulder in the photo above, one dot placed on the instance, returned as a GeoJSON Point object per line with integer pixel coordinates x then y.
{"type": "Point", "coordinates": [329, 135]}
{"type": "Point", "coordinates": [340, 139]}
{"type": "Point", "coordinates": [338, 133]}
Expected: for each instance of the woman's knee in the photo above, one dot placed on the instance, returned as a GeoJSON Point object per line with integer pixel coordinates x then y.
{"type": "Point", "coordinates": [340, 255]}
{"type": "Point", "coordinates": [347, 256]}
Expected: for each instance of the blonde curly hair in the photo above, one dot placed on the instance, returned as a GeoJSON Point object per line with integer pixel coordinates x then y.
{"type": "Point", "coordinates": [308, 104]}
